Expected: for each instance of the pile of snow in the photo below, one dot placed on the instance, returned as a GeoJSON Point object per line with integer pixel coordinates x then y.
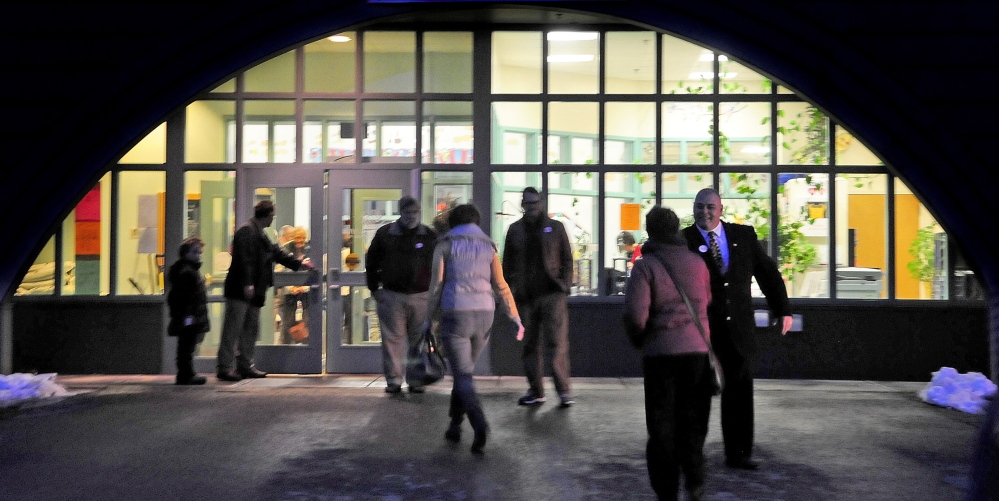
{"type": "Point", "coordinates": [20, 387]}
{"type": "Point", "coordinates": [964, 392]}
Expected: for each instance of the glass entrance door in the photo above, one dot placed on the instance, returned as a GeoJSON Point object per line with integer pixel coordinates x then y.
{"type": "Point", "coordinates": [360, 202]}
{"type": "Point", "coordinates": [290, 339]}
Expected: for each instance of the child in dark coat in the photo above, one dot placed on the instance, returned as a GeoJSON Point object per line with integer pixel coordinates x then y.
{"type": "Point", "coordinates": [188, 302]}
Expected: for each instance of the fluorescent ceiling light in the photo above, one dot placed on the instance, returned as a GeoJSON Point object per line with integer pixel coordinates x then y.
{"type": "Point", "coordinates": [708, 75]}
{"type": "Point", "coordinates": [570, 58]}
{"type": "Point", "coordinates": [755, 149]}
{"type": "Point", "coordinates": [565, 36]}
{"type": "Point", "coordinates": [339, 38]}
{"type": "Point", "coordinates": [707, 56]}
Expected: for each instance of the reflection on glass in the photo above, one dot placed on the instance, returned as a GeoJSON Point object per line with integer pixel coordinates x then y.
{"type": "Point", "coordinates": [205, 139]}
{"type": "Point", "coordinates": [803, 135]}
{"type": "Point", "coordinates": [687, 133]}
{"type": "Point", "coordinates": [447, 61]}
{"type": "Point", "coordinates": [140, 232]}
{"type": "Point", "coordinates": [744, 132]}
{"type": "Point", "coordinates": [803, 233]}
{"type": "Point", "coordinates": [440, 192]}
{"type": "Point", "coordinates": [389, 61]}
{"type": "Point", "coordinates": [861, 236]}
{"type": "Point", "coordinates": [329, 63]}
{"type": "Point", "coordinates": [451, 138]}
{"type": "Point", "coordinates": [630, 62]}
{"type": "Point", "coordinates": [573, 62]}
{"type": "Point", "coordinates": [328, 132]}
{"type": "Point", "coordinates": [920, 249]}
{"type": "Point", "coordinates": [687, 68]}
{"type": "Point", "coordinates": [210, 214]}
{"type": "Point", "coordinates": [390, 135]}
{"type": "Point", "coordinates": [274, 75]}
{"type": "Point", "coordinates": [630, 131]}
{"type": "Point", "coordinates": [575, 125]}
{"type": "Point", "coordinates": [516, 62]}
{"type": "Point", "coordinates": [516, 133]}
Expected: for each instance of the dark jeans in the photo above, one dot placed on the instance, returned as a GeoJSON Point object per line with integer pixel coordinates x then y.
{"type": "Point", "coordinates": [546, 326]}
{"type": "Point", "coordinates": [677, 406]}
{"type": "Point", "coordinates": [187, 341]}
{"type": "Point", "coordinates": [736, 404]}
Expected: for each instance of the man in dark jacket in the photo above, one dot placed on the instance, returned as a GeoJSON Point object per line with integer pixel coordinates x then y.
{"type": "Point", "coordinates": [250, 275]}
{"type": "Point", "coordinates": [397, 267]}
{"type": "Point", "coordinates": [537, 263]}
{"type": "Point", "coordinates": [734, 257]}
{"type": "Point", "coordinates": [188, 302]}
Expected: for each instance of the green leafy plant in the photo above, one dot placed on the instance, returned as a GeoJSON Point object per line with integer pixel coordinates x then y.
{"type": "Point", "coordinates": [921, 267]}
{"type": "Point", "coordinates": [812, 123]}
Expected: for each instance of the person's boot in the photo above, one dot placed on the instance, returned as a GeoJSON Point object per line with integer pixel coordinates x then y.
{"type": "Point", "coordinates": [189, 379]}
{"type": "Point", "coordinates": [453, 433]}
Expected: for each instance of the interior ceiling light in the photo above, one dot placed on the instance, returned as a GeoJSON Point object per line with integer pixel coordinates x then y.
{"type": "Point", "coordinates": [570, 58]}
{"type": "Point", "coordinates": [707, 56]}
{"type": "Point", "coordinates": [567, 36]}
{"type": "Point", "coordinates": [339, 38]}
{"type": "Point", "coordinates": [708, 75]}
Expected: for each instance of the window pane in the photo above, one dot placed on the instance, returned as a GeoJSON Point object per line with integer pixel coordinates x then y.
{"type": "Point", "coordinates": [629, 196]}
{"type": "Point", "coordinates": [329, 128]}
{"type": "Point", "coordinates": [738, 79]}
{"type": "Point", "coordinates": [573, 62]}
{"type": "Point", "coordinates": [447, 62]}
{"type": "Point", "coordinates": [140, 232]}
{"type": "Point", "coordinates": [803, 135]}
{"type": "Point", "coordinates": [391, 131]}
{"type": "Point", "coordinates": [516, 133]}
{"type": "Point", "coordinates": [506, 189]}
{"type": "Point", "coordinates": [330, 63]}
{"type": "Point", "coordinates": [40, 278]}
{"type": "Point", "coordinates": [269, 132]}
{"type": "Point", "coordinates": [746, 200]}
{"type": "Point", "coordinates": [630, 132]}
{"type": "Point", "coordinates": [850, 151]}
{"type": "Point", "coordinates": [451, 140]}
{"type": "Point", "coordinates": [687, 133]}
{"type": "Point", "coordinates": [687, 68]}
{"type": "Point", "coordinates": [679, 190]}
{"type": "Point", "coordinates": [86, 243]}
{"type": "Point", "coordinates": [227, 86]}
{"type": "Point", "coordinates": [576, 124]}
{"type": "Point", "coordinates": [274, 75]}
{"type": "Point", "coordinates": [920, 249]}
{"type": "Point", "coordinates": [442, 191]}
{"type": "Point", "coordinates": [516, 62]}
{"type": "Point", "coordinates": [861, 236]}
{"type": "Point", "coordinates": [205, 138]}
{"type": "Point", "coordinates": [744, 130]}
{"type": "Point", "coordinates": [572, 200]}
{"type": "Point", "coordinates": [149, 150]}
{"type": "Point", "coordinates": [631, 62]}
{"type": "Point", "coordinates": [210, 214]}
{"type": "Point", "coordinates": [389, 61]}
{"type": "Point", "coordinates": [290, 305]}
{"type": "Point", "coordinates": [210, 346]}
{"type": "Point", "coordinates": [803, 233]}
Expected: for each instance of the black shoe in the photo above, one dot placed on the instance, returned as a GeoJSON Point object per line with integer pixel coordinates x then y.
{"type": "Point", "coordinates": [393, 388]}
{"type": "Point", "coordinates": [252, 373]}
{"type": "Point", "coordinates": [479, 443]}
{"type": "Point", "coordinates": [417, 389]}
{"type": "Point", "coordinates": [530, 399]}
{"type": "Point", "coordinates": [190, 380]}
{"type": "Point", "coordinates": [453, 433]}
{"type": "Point", "coordinates": [742, 463]}
{"type": "Point", "coordinates": [229, 376]}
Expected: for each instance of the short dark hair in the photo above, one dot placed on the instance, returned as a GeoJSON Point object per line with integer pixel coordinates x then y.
{"type": "Point", "coordinates": [407, 201]}
{"type": "Point", "coordinates": [263, 209]}
{"type": "Point", "coordinates": [188, 243]}
{"type": "Point", "coordinates": [463, 214]}
{"type": "Point", "coordinates": [625, 238]}
{"type": "Point", "coordinates": [529, 189]}
{"type": "Point", "coordinates": [662, 224]}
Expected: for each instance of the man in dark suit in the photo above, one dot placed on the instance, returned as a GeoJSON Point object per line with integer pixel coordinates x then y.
{"type": "Point", "coordinates": [734, 256]}
{"type": "Point", "coordinates": [537, 263]}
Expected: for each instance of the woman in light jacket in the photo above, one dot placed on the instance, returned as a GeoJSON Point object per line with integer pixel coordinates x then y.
{"type": "Point", "coordinates": [465, 276]}
{"type": "Point", "coordinates": [678, 377]}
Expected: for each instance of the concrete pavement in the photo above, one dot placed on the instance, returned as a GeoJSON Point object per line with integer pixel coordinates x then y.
{"type": "Point", "coordinates": [340, 437]}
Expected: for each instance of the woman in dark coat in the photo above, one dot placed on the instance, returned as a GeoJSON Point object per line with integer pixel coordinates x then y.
{"type": "Point", "coordinates": [188, 302]}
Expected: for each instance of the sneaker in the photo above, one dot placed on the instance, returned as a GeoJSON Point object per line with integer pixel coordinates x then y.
{"type": "Point", "coordinates": [393, 388]}
{"type": "Point", "coordinates": [566, 400]}
{"type": "Point", "coordinates": [530, 399]}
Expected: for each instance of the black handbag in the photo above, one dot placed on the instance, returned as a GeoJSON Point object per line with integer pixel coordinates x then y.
{"type": "Point", "coordinates": [719, 377]}
{"type": "Point", "coordinates": [432, 365]}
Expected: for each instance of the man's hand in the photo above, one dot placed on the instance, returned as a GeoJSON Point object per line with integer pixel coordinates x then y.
{"type": "Point", "coordinates": [787, 324]}
{"type": "Point", "coordinates": [520, 329]}
{"type": "Point", "coordinates": [248, 292]}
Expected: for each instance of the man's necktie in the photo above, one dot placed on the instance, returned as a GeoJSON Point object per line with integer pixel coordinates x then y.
{"type": "Point", "coordinates": [715, 251]}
